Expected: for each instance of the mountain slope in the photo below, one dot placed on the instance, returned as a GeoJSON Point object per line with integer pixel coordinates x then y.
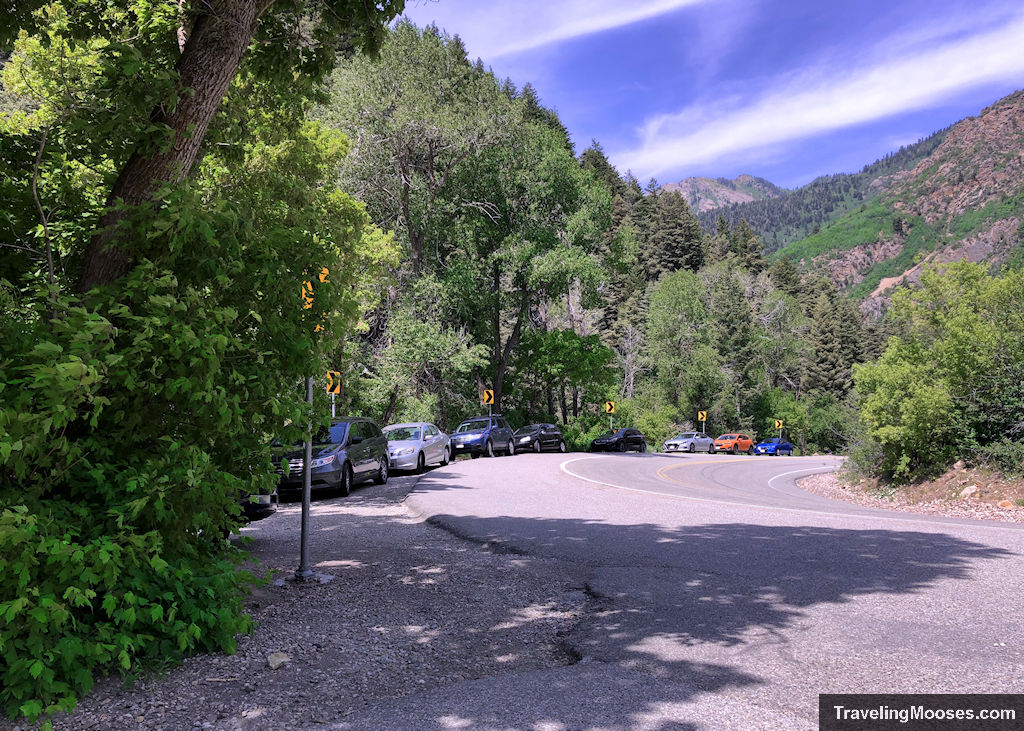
{"type": "Point", "coordinates": [964, 200]}
{"type": "Point", "coordinates": [799, 213]}
{"type": "Point", "coordinates": [709, 194]}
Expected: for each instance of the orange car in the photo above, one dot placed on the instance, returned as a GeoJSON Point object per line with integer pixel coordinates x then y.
{"type": "Point", "coordinates": [734, 443]}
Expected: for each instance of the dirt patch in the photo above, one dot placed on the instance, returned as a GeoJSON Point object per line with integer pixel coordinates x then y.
{"type": "Point", "coordinates": [960, 493]}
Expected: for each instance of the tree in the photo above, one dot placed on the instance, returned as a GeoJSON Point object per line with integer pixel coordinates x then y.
{"type": "Point", "coordinates": [188, 81]}
{"type": "Point", "coordinates": [828, 369]}
{"type": "Point", "coordinates": [532, 238]}
{"type": "Point", "coordinates": [950, 383]}
{"type": "Point", "coordinates": [136, 417]}
{"type": "Point", "coordinates": [416, 115]}
{"type": "Point", "coordinates": [594, 160]}
{"type": "Point", "coordinates": [674, 238]}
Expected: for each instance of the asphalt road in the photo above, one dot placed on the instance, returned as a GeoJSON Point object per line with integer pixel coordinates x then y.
{"type": "Point", "coordinates": [723, 596]}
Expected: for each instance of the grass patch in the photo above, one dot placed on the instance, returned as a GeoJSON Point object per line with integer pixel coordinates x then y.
{"type": "Point", "coordinates": [861, 226]}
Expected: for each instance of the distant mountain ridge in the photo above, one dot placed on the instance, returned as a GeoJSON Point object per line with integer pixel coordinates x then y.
{"type": "Point", "coordinates": [708, 194]}
{"type": "Point", "coordinates": [796, 214]}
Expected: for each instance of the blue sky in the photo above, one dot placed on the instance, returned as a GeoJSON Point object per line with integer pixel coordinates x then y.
{"type": "Point", "coordinates": [784, 89]}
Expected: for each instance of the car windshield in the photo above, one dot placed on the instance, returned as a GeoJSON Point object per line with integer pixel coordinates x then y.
{"type": "Point", "coordinates": [403, 433]}
{"type": "Point", "coordinates": [688, 435]}
{"type": "Point", "coordinates": [727, 436]}
{"type": "Point", "coordinates": [619, 433]}
{"type": "Point", "coordinates": [773, 441]}
{"type": "Point", "coordinates": [528, 429]}
{"type": "Point", "coordinates": [471, 426]}
{"type": "Point", "coordinates": [333, 435]}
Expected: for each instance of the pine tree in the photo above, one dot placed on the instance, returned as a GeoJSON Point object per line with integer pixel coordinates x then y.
{"type": "Point", "coordinates": [828, 370]}
{"type": "Point", "coordinates": [674, 239]}
{"type": "Point", "coordinates": [745, 244]}
{"type": "Point", "coordinates": [786, 277]}
{"type": "Point", "coordinates": [718, 247]}
{"type": "Point", "coordinates": [594, 159]}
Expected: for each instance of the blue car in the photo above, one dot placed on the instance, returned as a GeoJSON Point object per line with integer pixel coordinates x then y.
{"type": "Point", "coordinates": [774, 447]}
{"type": "Point", "coordinates": [483, 435]}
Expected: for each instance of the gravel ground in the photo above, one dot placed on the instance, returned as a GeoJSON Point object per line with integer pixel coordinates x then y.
{"type": "Point", "coordinates": [378, 630]}
{"type": "Point", "coordinates": [830, 485]}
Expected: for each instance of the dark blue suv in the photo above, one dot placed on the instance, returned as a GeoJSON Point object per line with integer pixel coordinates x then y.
{"type": "Point", "coordinates": [482, 435]}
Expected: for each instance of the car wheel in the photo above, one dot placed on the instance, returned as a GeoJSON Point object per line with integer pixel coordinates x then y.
{"type": "Point", "coordinates": [474, 455]}
{"type": "Point", "coordinates": [382, 472]}
{"type": "Point", "coordinates": [446, 458]}
{"type": "Point", "coordinates": [561, 447]}
{"type": "Point", "coordinates": [693, 447]}
{"type": "Point", "coordinates": [510, 448]}
{"type": "Point", "coordinates": [536, 446]}
{"type": "Point", "coordinates": [622, 446]}
{"type": "Point", "coordinates": [750, 451]}
{"type": "Point", "coordinates": [421, 464]}
{"type": "Point", "coordinates": [643, 447]}
{"type": "Point", "coordinates": [489, 449]}
{"type": "Point", "coordinates": [735, 449]}
{"type": "Point", "coordinates": [711, 448]}
{"type": "Point", "coordinates": [345, 486]}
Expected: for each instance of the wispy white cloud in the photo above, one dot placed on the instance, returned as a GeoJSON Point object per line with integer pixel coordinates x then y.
{"type": "Point", "coordinates": [926, 69]}
{"type": "Point", "coordinates": [492, 30]}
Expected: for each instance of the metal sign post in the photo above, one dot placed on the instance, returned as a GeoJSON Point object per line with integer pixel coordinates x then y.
{"type": "Point", "coordinates": [304, 571]}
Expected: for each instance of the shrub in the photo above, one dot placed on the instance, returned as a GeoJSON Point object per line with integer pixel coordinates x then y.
{"type": "Point", "coordinates": [1006, 455]}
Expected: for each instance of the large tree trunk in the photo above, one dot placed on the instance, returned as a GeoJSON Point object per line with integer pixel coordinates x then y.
{"type": "Point", "coordinates": [210, 60]}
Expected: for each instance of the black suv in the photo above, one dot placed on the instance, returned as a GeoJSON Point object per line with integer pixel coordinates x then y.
{"type": "Point", "coordinates": [482, 435]}
{"type": "Point", "coordinates": [539, 437]}
{"type": "Point", "coordinates": [350, 450]}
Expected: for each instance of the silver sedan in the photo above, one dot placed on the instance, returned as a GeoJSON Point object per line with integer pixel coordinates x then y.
{"type": "Point", "coordinates": [414, 446]}
{"type": "Point", "coordinates": [691, 441]}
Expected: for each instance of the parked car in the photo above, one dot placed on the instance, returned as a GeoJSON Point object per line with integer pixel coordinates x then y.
{"type": "Point", "coordinates": [539, 437]}
{"type": "Point", "coordinates": [734, 443]}
{"type": "Point", "coordinates": [414, 446]}
{"type": "Point", "coordinates": [774, 447]}
{"type": "Point", "coordinates": [691, 441]}
{"type": "Point", "coordinates": [348, 451]}
{"type": "Point", "coordinates": [482, 435]}
{"type": "Point", "coordinates": [622, 440]}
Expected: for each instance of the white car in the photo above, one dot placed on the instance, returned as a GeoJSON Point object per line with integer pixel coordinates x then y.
{"type": "Point", "coordinates": [691, 441]}
{"type": "Point", "coordinates": [414, 446]}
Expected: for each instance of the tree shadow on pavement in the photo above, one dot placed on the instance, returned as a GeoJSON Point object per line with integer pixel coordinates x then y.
{"type": "Point", "coordinates": [666, 604]}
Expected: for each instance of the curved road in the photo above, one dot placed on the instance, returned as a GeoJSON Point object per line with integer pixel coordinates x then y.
{"type": "Point", "coordinates": [720, 595]}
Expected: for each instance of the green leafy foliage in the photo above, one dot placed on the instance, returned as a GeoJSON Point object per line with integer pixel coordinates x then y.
{"type": "Point", "coordinates": [950, 382]}
{"type": "Point", "coordinates": [136, 417]}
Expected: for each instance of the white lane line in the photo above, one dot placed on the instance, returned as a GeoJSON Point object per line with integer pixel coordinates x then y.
{"type": "Point", "coordinates": [879, 513]}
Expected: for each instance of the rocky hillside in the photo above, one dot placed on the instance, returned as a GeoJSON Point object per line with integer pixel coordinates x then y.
{"type": "Point", "coordinates": [708, 194]}
{"type": "Point", "coordinates": [964, 200]}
